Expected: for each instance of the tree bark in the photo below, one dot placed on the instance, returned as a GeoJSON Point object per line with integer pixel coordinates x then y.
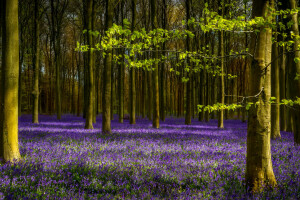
{"type": "Point", "coordinates": [275, 92]}
{"type": "Point", "coordinates": [188, 116]}
{"type": "Point", "coordinates": [36, 60]}
{"type": "Point", "coordinates": [90, 103]}
{"type": "Point", "coordinates": [296, 70]}
{"type": "Point", "coordinates": [282, 90]}
{"type": "Point", "coordinates": [9, 147]}
{"type": "Point", "coordinates": [155, 70]}
{"type": "Point", "coordinates": [221, 92]}
{"type": "Point", "coordinates": [106, 115]}
{"type": "Point", "coordinates": [259, 170]}
{"type": "Point", "coordinates": [132, 70]}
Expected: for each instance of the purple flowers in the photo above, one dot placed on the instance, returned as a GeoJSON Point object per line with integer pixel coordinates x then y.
{"type": "Point", "coordinates": [62, 160]}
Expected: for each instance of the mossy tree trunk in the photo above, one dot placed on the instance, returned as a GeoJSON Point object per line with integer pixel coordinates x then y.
{"type": "Point", "coordinates": [9, 146]}
{"type": "Point", "coordinates": [259, 170]}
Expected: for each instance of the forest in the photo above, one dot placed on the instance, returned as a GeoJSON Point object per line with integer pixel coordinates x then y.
{"type": "Point", "coordinates": [149, 99]}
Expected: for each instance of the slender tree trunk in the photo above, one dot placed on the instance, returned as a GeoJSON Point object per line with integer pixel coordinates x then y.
{"type": "Point", "coordinates": [289, 89]}
{"type": "Point", "coordinates": [150, 91]}
{"type": "Point", "coordinates": [221, 92]}
{"type": "Point", "coordinates": [36, 60]}
{"type": "Point", "coordinates": [282, 90]}
{"type": "Point", "coordinates": [155, 71]}
{"type": "Point", "coordinates": [112, 91]}
{"type": "Point", "coordinates": [79, 84]}
{"type": "Point", "coordinates": [132, 70]}
{"type": "Point", "coordinates": [246, 72]}
{"type": "Point", "coordinates": [9, 146]}
{"type": "Point", "coordinates": [106, 117]}
{"type": "Point", "coordinates": [121, 76]}
{"type": "Point", "coordinates": [259, 170]}
{"type": "Point", "coordinates": [188, 116]}
{"type": "Point", "coordinates": [90, 67]}
{"type": "Point", "coordinates": [275, 92]}
{"type": "Point", "coordinates": [296, 70]}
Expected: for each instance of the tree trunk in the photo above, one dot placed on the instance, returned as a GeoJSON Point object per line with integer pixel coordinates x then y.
{"type": "Point", "coordinates": [155, 71]}
{"type": "Point", "coordinates": [259, 170]}
{"type": "Point", "coordinates": [9, 147]}
{"type": "Point", "coordinates": [79, 84]}
{"type": "Point", "coordinates": [296, 70]}
{"type": "Point", "coordinates": [106, 117]}
{"type": "Point", "coordinates": [282, 90]}
{"type": "Point", "coordinates": [275, 92]}
{"type": "Point", "coordinates": [132, 70]}
{"type": "Point", "coordinates": [188, 116]}
{"type": "Point", "coordinates": [221, 92]}
{"type": "Point", "coordinates": [36, 60]}
{"type": "Point", "coordinates": [121, 77]}
{"type": "Point", "coordinates": [90, 67]}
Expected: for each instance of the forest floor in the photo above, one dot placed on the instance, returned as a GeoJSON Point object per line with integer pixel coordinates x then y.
{"type": "Point", "coordinates": [62, 160]}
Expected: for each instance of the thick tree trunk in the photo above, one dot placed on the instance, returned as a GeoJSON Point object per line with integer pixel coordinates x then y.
{"type": "Point", "coordinates": [106, 117]}
{"type": "Point", "coordinates": [9, 147]}
{"type": "Point", "coordinates": [36, 60]}
{"type": "Point", "coordinates": [275, 92]}
{"type": "Point", "coordinates": [259, 170]}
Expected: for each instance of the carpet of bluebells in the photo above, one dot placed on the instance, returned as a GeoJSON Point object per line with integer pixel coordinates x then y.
{"type": "Point", "coordinates": [62, 160]}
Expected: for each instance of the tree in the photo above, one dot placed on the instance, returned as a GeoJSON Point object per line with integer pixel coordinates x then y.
{"type": "Point", "coordinates": [275, 91]}
{"type": "Point", "coordinates": [259, 170]}
{"type": "Point", "coordinates": [121, 74]}
{"type": "Point", "coordinates": [36, 62]}
{"type": "Point", "coordinates": [155, 69]}
{"type": "Point", "coordinates": [132, 70]}
{"type": "Point", "coordinates": [90, 78]}
{"type": "Point", "coordinates": [296, 71]}
{"type": "Point", "coordinates": [188, 114]}
{"type": "Point", "coordinates": [9, 82]}
{"type": "Point", "coordinates": [222, 88]}
{"type": "Point", "coordinates": [106, 113]}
